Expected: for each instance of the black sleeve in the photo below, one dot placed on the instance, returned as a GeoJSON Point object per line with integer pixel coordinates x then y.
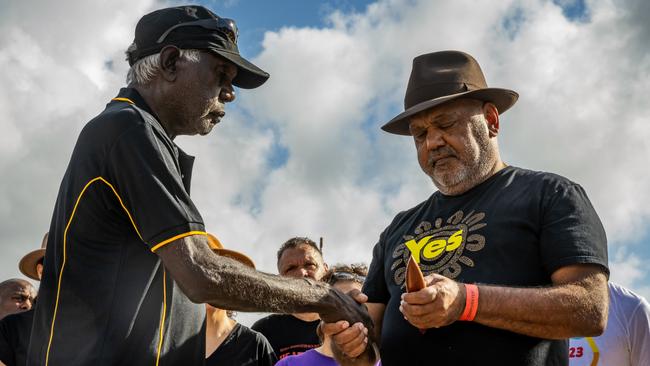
{"type": "Point", "coordinates": [571, 232]}
{"type": "Point", "coordinates": [144, 171]}
{"type": "Point", "coordinates": [375, 285]}
{"type": "Point", "coordinates": [265, 354]}
{"type": "Point", "coordinates": [6, 348]}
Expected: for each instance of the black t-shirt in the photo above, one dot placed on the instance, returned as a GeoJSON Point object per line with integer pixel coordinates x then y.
{"type": "Point", "coordinates": [514, 229]}
{"type": "Point", "coordinates": [243, 347]}
{"type": "Point", "coordinates": [105, 297]}
{"type": "Point", "coordinates": [14, 337]}
{"type": "Point", "coordinates": [287, 334]}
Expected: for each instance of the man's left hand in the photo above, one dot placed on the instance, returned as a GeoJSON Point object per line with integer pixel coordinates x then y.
{"type": "Point", "coordinates": [440, 303]}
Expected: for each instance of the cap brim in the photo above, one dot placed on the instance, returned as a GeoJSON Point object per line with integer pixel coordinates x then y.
{"type": "Point", "coordinates": [503, 99]}
{"type": "Point", "coordinates": [27, 264]}
{"type": "Point", "coordinates": [248, 76]}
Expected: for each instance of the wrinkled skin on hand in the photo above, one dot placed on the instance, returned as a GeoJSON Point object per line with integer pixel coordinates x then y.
{"type": "Point", "coordinates": [437, 305]}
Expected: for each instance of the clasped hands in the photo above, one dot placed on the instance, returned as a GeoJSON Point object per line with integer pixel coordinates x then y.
{"type": "Point", "coordinates": [439, 304]}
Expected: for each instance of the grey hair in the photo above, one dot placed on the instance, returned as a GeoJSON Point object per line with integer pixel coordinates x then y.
{"type": "Point", "coordinates": [147, 67]}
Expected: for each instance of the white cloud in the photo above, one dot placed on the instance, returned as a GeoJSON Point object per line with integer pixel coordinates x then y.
{"type": "Point", "coordinates": [582, 113]}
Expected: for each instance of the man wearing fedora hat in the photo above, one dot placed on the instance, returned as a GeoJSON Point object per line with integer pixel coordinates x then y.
{"type": "Point", "coordinates": [515, 260]}
{"type": "Point", "coordinates": [128, 264]}
{"type": "Point", "coordinates": [15, 329]}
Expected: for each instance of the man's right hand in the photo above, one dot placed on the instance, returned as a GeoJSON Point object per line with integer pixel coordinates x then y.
{"type": "Point", "coordinates": [350, 337]}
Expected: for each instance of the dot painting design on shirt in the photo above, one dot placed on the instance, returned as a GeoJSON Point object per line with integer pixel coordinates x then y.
{"type": "Point", "coordinates": [440, 248]}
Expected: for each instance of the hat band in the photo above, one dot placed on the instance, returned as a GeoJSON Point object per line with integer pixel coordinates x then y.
{"type": "Point", "coordinates": [191, 41]}
{"type": "Point", "coordinates": [427, 92]}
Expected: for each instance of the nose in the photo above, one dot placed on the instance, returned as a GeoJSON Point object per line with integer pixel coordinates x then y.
{"type": "Point", "coordinates": [434, 139]}
{"type": "Point", "coordinates": [26, 305]}
{"type": "Point", "coordinates": [227, 94]}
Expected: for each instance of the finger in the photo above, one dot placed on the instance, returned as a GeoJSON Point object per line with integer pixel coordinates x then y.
{"type": "Point", "coordinates": [424, 296]}
{"type": "Point", "coordinates": [423, 321]}
{"type": "Point", "coordinates": [334, 328]}
{"type": "Point", "coordinates": [416, 310]}
{"type": "Point", "coordinates": [350, 334]}
{"type": "Point", "coordinates": [358, 296]}
{"type": "Point", "coordinates": [352, 346]}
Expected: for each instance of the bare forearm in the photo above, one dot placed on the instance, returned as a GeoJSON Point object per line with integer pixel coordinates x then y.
{"type": "Point", "coordinates": [249, 290]}
{"type": "Point", "coordinates": [227, 284]}
{"type": "Point", "coordinates": [562, 311]}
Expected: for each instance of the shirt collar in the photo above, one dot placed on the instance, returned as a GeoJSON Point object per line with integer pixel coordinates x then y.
{"type": "Point", "coordinates": [130, 95]}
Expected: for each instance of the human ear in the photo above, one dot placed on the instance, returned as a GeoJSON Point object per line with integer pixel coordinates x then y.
{"type": "Point", "coordinates": [491, 114]}
{"type": "Point", "coordinates": [169, 57]}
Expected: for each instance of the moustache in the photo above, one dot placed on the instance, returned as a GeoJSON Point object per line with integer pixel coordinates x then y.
{"type": "Point", "coordinates": [441, 153]}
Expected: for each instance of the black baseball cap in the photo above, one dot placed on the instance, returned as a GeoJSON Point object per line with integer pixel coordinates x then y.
{"type": "Point", "coordinates": [194, 27]}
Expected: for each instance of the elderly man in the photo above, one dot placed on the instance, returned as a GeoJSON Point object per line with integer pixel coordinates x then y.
{"type": "Point", "coordinates": [16, 296]}
{"type": "Point", "coordinates": [15, 329]}
{"type": "Point", "coordinates": [128, 265]}
{"type": "Point", "coordinates": [516, 260]}
{"type": "Point", "coordinates": [294, 334]}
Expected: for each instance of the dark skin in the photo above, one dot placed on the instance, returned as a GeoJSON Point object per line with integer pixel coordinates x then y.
{"type": "Point", "coordinates": [189, 98]}
{"type": "Point", "coordinates": [459, 137]}
{"type": "Point", "coordinates": [216, 280]}
{"type": "Point", "coordinates": [16, 296]}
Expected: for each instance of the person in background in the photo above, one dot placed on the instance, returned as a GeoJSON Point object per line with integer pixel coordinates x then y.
{"type": "Point", "coordinates": [292, 334]}
{"type": "Point", "coordinates": [229, 343]}
{"type": "Point", "coordinates": [15, 329]}
{"type": "Point", "coordinates": [16, 295]}
{"type": "Point", "coordinates": [345, 278]}
{"type": "Point", "coordinates": [626, 340]}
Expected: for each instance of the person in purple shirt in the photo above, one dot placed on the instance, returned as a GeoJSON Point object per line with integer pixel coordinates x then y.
{"type": "Point", "coordinates": [344, 278]}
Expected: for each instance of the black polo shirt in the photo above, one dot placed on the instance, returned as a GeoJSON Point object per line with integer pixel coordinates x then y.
{"type": "Point", "coordinates": [105, 297]}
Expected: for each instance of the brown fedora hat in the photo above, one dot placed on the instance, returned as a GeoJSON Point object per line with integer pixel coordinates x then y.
{"type": "Point", "coordinates": [27, 264]}
{"type": "Point", "coordinates": [441, 77]}
{"type": "Point", "coordinates": [218, 248]}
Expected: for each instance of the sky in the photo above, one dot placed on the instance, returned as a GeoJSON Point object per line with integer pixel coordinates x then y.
{"type": "Point", "coordinates": [303, 155]}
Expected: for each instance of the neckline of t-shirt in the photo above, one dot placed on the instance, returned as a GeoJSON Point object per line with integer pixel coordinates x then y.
{"type": "Point", "coordinates": [302, 321]}
{"type": "Point", "coordinates": [232, 334]}
{"type": "Point", "coordinates": [479, 188]}
{"type": "Point", "coordinates": [314, 351]}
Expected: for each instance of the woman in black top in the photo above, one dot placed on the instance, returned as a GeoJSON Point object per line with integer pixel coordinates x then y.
{"type": "Point", "coordinates": [228, 342]}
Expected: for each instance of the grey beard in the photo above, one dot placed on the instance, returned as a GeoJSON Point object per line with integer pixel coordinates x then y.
{"type": "Point", "coordinates": [471, 173]}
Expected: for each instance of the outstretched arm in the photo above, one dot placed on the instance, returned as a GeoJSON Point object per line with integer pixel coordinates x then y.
{"type": "Point", "coordinates": [575, 305]}
{"type": "Point", "coordinates": [227, 284]}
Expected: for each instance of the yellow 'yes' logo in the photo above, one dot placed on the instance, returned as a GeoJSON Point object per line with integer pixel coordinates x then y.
{"type": "Point", "coordinates": [442, 246]}
{"type": "Point", "coordinates": [431, 249]}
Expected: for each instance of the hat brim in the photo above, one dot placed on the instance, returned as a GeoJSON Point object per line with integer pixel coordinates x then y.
{"type": "Point", "coordinates": [239, 257]}
{"type": "Point", "coordinates": [248, 76]}
{"type": "Point", "coordinates": [218, 248]}
{"type": "Point", "coordinates": [27, 264]}
{"type": "Point", "coordinates": [503, 99]}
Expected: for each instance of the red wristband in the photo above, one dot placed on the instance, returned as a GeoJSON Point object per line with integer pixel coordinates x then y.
{"type": "Point", "coordinates": [471, 303]}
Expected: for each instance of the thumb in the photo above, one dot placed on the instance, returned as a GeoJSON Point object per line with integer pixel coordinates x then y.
{"type": "Point", "coordinates": [358, 296]}
{"type": "Point", "coordinates": [433, 278]}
